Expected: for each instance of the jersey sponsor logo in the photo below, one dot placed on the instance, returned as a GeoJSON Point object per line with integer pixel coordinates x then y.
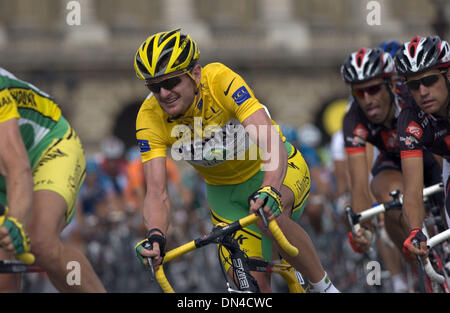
{"type": "Point", "coordinates": [241, 95]}
{"type": "Point", "coordinates": [24, 97]}
{"type": "Point", "coordinates": [57, 153]}
{"type": "Point", "coordinates": [355, 141]}
{"type": "Point", "coordinates": [361, 131]}
{"type": "Point", "coordinates": [410, 141]}
{"type": "Point", "coordinates": [143, 145]}
{"type": "Point", "coordinates": [5, 100]}
{"type": "Point", "coordinates": [389, 139]}
{"type": "Point", "coordinates": [228, 89]}
{"type": "Point", "coordinates": [240, 239]}
{"type": "Point", "coordinates": [415, 130]}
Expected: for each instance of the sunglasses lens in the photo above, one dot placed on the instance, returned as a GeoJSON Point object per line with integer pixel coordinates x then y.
{"type": "Point", "coordinates": [426, 81]}
{"type": "Point", "coordinates": [155, 88]}
{"type": "Point", "coordinates": [358, 93]}
{"type": "Point", "coordinates": [413, 84]}
{"type": "Point", "coordinates": [372, 90]}
{"type": "Point", "coordinates": [170, 83]}
{"type": "Point", "coordinates": [167, 84]}
{"type": "Point", "coordinates": [429, 80]}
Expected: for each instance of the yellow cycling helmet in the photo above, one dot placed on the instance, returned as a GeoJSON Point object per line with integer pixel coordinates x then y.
{"type": "Point", "coordinates": [165, 53]}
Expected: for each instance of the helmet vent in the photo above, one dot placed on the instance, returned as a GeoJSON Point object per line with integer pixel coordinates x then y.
{"type": "Point", "coordinates": [412, 50]}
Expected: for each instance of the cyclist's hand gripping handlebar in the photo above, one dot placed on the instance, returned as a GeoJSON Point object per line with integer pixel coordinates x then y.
{"type": "Point", "coordinates": [19, 238]}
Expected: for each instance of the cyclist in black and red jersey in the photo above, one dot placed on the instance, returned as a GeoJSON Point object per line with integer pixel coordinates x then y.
{"type": "Point", "coordinates": [423, 125]}
{"type": "Point", "coordinates": [372, 117]}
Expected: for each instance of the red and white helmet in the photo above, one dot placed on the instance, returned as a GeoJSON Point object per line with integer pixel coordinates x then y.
{"type": "Point", "coordinates": [421, 54]}
{"type": "Point", "coordinates": [366, 64]}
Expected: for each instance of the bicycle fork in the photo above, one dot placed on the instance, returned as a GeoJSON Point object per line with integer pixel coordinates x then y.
{"type": "Point", "coordinates": [241, 269]}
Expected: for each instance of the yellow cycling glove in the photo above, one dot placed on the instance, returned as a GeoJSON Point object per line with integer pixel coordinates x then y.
{"type": "Point", "coordinates": [19, 238]}
{"type": "Point", "coordinates": [271, 198]}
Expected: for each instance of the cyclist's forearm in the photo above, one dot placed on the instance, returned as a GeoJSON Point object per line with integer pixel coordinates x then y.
{"type": "Point", "coordinates": [413, 208]}
{"type": "Point", "coordinates": [360, 200]}
{"type": "Point", "coordinates": [359, 182]}
{"type": "Point", "coordinates": [413, 211]}
{"type": "Point", "coordinates": [19, 186]}
{"type": "Point", "coordinates": [274, 175]}
{"type": "Point", "coordinates": [156, 212]}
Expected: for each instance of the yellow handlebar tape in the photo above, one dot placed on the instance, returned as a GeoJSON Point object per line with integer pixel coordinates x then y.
{"type": "Point", "coordinates": [162, 280]}
{"type": "Point", "coordinates": [27, 258]}
{"type": "Point", "coordinates": [281, 239]}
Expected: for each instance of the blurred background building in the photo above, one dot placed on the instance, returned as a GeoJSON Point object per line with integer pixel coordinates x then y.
{"type": "Point", "coordinates": [289, 51]}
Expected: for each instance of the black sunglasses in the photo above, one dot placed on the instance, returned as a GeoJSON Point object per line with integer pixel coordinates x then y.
{"type": "Point", "coordinates": [371, 90]}
{"type": "Point", "coordinates": [427, 81]}
{"type": "Point", "coordinates": [167, 84]}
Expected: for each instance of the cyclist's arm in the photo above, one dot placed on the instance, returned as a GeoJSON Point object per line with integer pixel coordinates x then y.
{"type": "Point", "coordinates": [156, 210]}
{"type": "Point", "coordinates": [413, 208]}
{"type": "Point", "coordinates": [269, 140]}
{"type": "Point", "coordinates": [359, 181]}
{"type": "Point", "coordinates": [15, 167]}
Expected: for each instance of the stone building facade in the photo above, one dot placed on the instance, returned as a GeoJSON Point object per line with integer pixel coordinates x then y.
{"type": "Point", "coordinates": [289, 51]}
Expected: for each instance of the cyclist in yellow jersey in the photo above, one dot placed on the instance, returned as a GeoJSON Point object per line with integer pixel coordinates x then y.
{"type": "Point", "coordinates": [210, 117]}
{"type": "Point", "coordinates": [42, 167]}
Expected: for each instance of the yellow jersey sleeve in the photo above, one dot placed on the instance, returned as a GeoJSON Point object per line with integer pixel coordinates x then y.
{"type": "Point", "coordinates": [230, 89]}
{"type": "Point", "coordinates": [8, 106]}
{"type": "Point", "coordinates": [150, 137]}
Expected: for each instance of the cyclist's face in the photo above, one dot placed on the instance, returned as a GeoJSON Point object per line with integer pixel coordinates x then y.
{"type": "Point", "coordinates": [374, 99]}
{"type": "Point", "coordinates": [177, 96]}
{"type": "Point", "coordinates": [431, 95]}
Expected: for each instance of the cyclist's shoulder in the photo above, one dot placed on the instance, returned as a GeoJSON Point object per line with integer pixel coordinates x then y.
{"type": "Point", "coordinates": [214, 68]}
{"type": "Point", "coordinates": [216, 75]}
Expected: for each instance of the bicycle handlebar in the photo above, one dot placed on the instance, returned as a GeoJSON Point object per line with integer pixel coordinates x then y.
{"type": "Point", "coordinates": [355, 218]}
{"type": "Point", "coordinates": [433, 241]}
{"type": "Point", "coordinates": [208, 238]}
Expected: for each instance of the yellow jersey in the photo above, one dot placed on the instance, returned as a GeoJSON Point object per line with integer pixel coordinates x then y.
{"type": "Point", "coordinates": [210, 135]}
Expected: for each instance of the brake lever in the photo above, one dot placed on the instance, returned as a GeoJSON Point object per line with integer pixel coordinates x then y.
{"type": "Point", "coordinates": [147, 245]}
{"type": "Point", "coordinates": [263, 218]}
{"type": "Point", "coordinates": [416, 244]}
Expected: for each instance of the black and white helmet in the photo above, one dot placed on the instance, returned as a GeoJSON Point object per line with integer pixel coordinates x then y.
{"type": "Point", "coordinates": [421, 54]}
{"type": "Point", "coordinates": [366, 64]}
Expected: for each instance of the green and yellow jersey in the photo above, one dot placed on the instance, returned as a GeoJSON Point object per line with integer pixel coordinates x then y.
{"type": "Point", "coordinates": [40, 119]}
{"type": "Point", "coordinates": [54, 150]}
